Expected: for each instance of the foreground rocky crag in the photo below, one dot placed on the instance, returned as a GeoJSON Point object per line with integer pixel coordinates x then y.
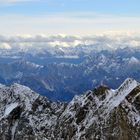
{"type": "Point", "coordinates": [99, 114]}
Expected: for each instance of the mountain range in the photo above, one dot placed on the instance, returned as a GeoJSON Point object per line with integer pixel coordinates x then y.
{"type": "Point", "coordinates": [63, 78]}
{"type": "Point", "coordinates": [101, 113]}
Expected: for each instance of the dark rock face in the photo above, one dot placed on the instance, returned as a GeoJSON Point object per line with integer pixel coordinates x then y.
{"type": "Point", "coordinates": [99, 114]}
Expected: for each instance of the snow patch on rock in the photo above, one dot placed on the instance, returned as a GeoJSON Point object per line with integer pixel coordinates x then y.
{"type": "Point", "coordinates": [10, 108]}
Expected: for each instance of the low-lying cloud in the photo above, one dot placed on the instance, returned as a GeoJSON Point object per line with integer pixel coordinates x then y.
{"type": "Point", "coordinates": [104, 41]}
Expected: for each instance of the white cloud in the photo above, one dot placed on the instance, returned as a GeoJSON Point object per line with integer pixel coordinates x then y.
{"type": "Point", "coordinates": [11, 2]}
{"type": "Point", "coordinates": [5, 46]}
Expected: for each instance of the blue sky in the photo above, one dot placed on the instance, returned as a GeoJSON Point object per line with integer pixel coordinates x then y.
{"type": "Point", "coordinates": [68, 16]}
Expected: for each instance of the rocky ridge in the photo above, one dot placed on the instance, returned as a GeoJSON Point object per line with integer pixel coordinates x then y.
{"type": "Point", "coordinates": [101, 113]}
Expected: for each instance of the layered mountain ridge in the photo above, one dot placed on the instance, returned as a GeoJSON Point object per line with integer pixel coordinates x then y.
{"type": "Point", "coordinates": [101, 113]}
{"type": "Point", "coordinates": [63, 78]}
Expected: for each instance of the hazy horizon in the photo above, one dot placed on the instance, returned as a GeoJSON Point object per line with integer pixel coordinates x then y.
{"type": "Point", "coordinates": [75, 17]}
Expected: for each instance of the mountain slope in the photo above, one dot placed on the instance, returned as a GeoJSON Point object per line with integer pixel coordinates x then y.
{"type": "Point", "coordinates": [99, 114]}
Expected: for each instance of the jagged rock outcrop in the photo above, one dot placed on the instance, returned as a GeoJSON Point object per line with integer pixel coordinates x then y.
{"type": "Point", "coordinates": [99, 114]}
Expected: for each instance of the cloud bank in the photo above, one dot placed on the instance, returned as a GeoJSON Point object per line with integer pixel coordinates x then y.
{"type": "Point", "coordinates": [104, 41]}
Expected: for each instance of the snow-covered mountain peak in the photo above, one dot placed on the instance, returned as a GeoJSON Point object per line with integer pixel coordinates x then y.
{"type": "Point", "coordinates": [17, 94]}
{"type": "Point", "coordinates": [23, 92]}
{"type": "Point", "coordinates": [134, 60]}
{"type": "Point", "coordinates": [129, 83]}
